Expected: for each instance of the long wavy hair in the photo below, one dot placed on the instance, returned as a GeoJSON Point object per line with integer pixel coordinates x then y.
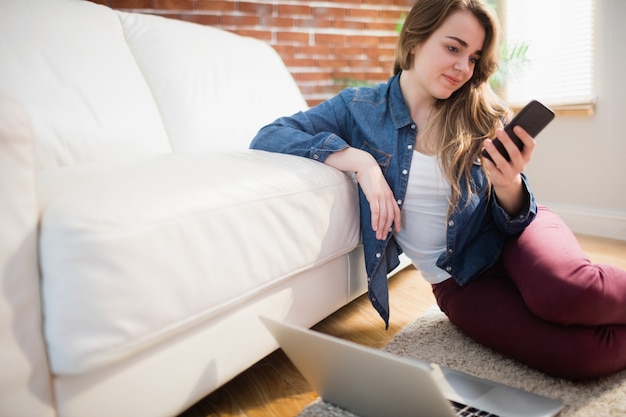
{"type": "Point", "coordinates": [457, 125]}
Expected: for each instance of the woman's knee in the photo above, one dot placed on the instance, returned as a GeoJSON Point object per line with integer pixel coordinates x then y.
{"type": "Point", "coordinates": [583, 297]}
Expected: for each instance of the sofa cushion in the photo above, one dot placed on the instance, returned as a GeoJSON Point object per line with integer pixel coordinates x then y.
{"type": "Point", "coordinates": [24, 379]}
{"type": "Point", "coordinates": [227, 89]}
{"type": "Point", "coordinates": [144, 248]}
{"type": "Point", "coordinates": [85, 95]}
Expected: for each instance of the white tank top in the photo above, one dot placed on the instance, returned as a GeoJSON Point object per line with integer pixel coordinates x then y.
{"type": "Point", "coordinates": [424, 215]}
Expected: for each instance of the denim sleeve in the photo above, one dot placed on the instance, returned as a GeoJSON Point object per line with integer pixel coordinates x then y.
{"type": "Point", "coordinates": [513, 226]}
{"type": "Point", "coordinates": [315, 133]}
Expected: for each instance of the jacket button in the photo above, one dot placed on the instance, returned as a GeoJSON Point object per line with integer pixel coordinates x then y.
{"type": "Point", "coordinates": [451, 223]}
{"type": "Point", "coordinates": [404, 172]}
{"type": "Point", "coordinates": [450, 250]}
{"type": "Point", "coordinates": [316, 156]}
{"type": "Point", "coordinates": [448, 268]}
{"type": "Point", "coordinates": [378, 254]}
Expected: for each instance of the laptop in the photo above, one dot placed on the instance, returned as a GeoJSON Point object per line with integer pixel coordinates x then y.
{"type": "Point", "coordinates": [373, 383]}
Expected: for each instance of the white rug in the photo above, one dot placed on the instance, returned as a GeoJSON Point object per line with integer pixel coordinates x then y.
{"type": "Point", "coordinates": [432, 338]}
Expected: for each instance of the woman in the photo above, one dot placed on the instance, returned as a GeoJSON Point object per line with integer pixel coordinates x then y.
{"type": "Point", "coordinates": [507, 273]}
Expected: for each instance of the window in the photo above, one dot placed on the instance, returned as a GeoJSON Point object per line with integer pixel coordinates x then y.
{"type": "Point", "coordinates": [559, 36]}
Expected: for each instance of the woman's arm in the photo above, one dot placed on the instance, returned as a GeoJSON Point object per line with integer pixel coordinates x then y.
{"type": "Point", "coordinates": [314, 133]}
{"type": "Point", "coordinates": [383, 205]}
{"type": "Point", "coordinates": [323, 133]}
{"type": "Point", "coordinates": [506, 176]}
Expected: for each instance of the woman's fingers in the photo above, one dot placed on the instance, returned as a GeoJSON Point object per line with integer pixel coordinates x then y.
{"type": "Point", "coordinates": [383, 206]}
{"type": "Point", "coordinates": [385, 214]}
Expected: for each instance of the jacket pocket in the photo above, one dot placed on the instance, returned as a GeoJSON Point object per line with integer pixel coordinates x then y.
{"type": "Point", "coordinates": [382, 158]}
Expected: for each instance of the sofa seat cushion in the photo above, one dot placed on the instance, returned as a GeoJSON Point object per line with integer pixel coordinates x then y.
{"type": "Point", "coordinates": [135, 250]}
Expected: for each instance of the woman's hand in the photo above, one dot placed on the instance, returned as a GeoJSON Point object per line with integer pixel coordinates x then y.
{"type": "Point", "coordinates": [505, 175]}
{"type": "Point", "coordinates": [383, 205]}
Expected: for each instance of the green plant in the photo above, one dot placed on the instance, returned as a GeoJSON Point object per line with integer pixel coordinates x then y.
{"type": "Point", "coordinates": [513, 59]}
{"type": "Point", "coordinates": [513, 63]}
{"type": "Point", "coordinates": [400, 23]}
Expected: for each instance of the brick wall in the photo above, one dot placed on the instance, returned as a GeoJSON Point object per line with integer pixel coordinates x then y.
{"type": "Point", "coordinates": [326, 45]}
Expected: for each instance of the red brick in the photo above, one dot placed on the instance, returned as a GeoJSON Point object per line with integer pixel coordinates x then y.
{"type": "Point", "coordinates": [333, 88]}
{"type": "Point", "coordinates": [365, 40]}
{"type": "Point", "coordinates": [297, 37]}
{"type": "Point", "coordinates": [381, 2]}
{"type": "Point", "coordinates": [349, 50]}
{"type": "Point", "coordinates": [239, 20]}
{"type": "Point", "coordinates": [259, 9]}
{"type": "Point", "coordinates": [263, 35]}
{"type": "Point", "coordinates": [377, 77]}
{"type": "Point", "coordinates": [313, 23]}
{"type": "Point", "coordinates": [169, 15]}
{"type": "Point", "coordinates": [380, 25]}
{"type": "Point", "coordinates": [278, 22]}
{"type": "Point", "coordinates": [307, 89]}
{"type": "Point", "coordinates": [312, 102]}
{"type": "Point", "coordinates": [345, 24]}
{"type": "Point", "coordinates": [311, 76]}
{"type": "Point", "coordinates": [127, 4]}
{"type": "Point", "coordinates": [382, 54]}
{"type": "Point", "coordinates": [285, 51]}
{"type": "Point", "coordinates": [389, 41]}
{"type": "Point", "coordinates": [300, 62]}
{"type": "Point", "coordinates": [364, 63]}
{"type": "Point", "coordinates": [364, 13]}
{"type": "Point", "coordinates": [333, 12]}
{"type": "Point", "coordinates": [217, 5]}
{"type": "Point", "coordinates": [294, 10]}
{"type": "Point", "coordinates": [334, 63]}
{"type": "Point", "coordinates": [314, 50]}
{"type": "Point", "coordinates": [203, 19]}
{"type": "Point", "coordinates": [331, 38]}
{"type": "Point", "coordinates": [174, 4]}
{"type": "Point", "coordinates": [395, 14]}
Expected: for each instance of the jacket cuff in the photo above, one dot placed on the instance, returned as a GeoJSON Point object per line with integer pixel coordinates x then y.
{"type": "Point", "coordinates": [514, 225]}
{"type": "Point", "coordinates": [331, 145]}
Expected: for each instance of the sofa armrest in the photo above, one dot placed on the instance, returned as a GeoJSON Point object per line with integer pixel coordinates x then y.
{"type": "Point", "coordinates": [25, 383]}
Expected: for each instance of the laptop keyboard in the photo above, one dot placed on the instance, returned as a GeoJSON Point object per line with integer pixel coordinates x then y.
{"type": "Point", "coordinates": [467, 411]}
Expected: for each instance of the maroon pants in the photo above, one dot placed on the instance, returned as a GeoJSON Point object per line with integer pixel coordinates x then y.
{"type": "Point", "coordinates": [545, 304]}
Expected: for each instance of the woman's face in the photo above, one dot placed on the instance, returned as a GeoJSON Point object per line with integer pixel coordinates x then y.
{"type": "Point", "coordinates": [446, 61]}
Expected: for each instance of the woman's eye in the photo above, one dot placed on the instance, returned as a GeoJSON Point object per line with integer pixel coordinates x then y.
{"type": "Point", "coordinates": [473, 61]}
{"type": "Point", "coordinates": [453, 49]}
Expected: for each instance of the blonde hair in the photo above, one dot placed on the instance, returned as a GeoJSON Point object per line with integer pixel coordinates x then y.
{"type": "Point", "coordinates": [457, 125]}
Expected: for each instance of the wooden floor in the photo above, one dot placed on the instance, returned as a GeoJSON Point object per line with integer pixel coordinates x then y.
{"type": "Point", "coordinates": [273, 387]}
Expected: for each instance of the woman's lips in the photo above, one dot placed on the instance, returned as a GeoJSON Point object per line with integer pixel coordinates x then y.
{"type": "Point", "coordinates": [452, 79]}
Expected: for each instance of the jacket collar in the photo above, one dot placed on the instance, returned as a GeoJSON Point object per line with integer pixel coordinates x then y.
{"type": "Point", "coordinates": [399, 110]}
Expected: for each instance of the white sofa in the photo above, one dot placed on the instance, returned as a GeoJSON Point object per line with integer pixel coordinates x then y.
{"type": "Point", "coordinates": [140, 239]}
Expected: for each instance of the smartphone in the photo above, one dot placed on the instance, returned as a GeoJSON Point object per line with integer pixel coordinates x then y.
{"type": "Point", "coordinates": [532, 118]}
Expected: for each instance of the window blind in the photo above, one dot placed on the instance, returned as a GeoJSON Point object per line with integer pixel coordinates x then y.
{"type": "Point", "coordinates": [559, 36]}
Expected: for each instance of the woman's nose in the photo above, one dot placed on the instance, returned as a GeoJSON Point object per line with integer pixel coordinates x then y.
{"type": "Point", "coordinates": [462, 65]}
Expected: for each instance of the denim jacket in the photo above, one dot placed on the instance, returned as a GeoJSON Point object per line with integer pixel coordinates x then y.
{"type": "Point", "coordinates": [377, 120]}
